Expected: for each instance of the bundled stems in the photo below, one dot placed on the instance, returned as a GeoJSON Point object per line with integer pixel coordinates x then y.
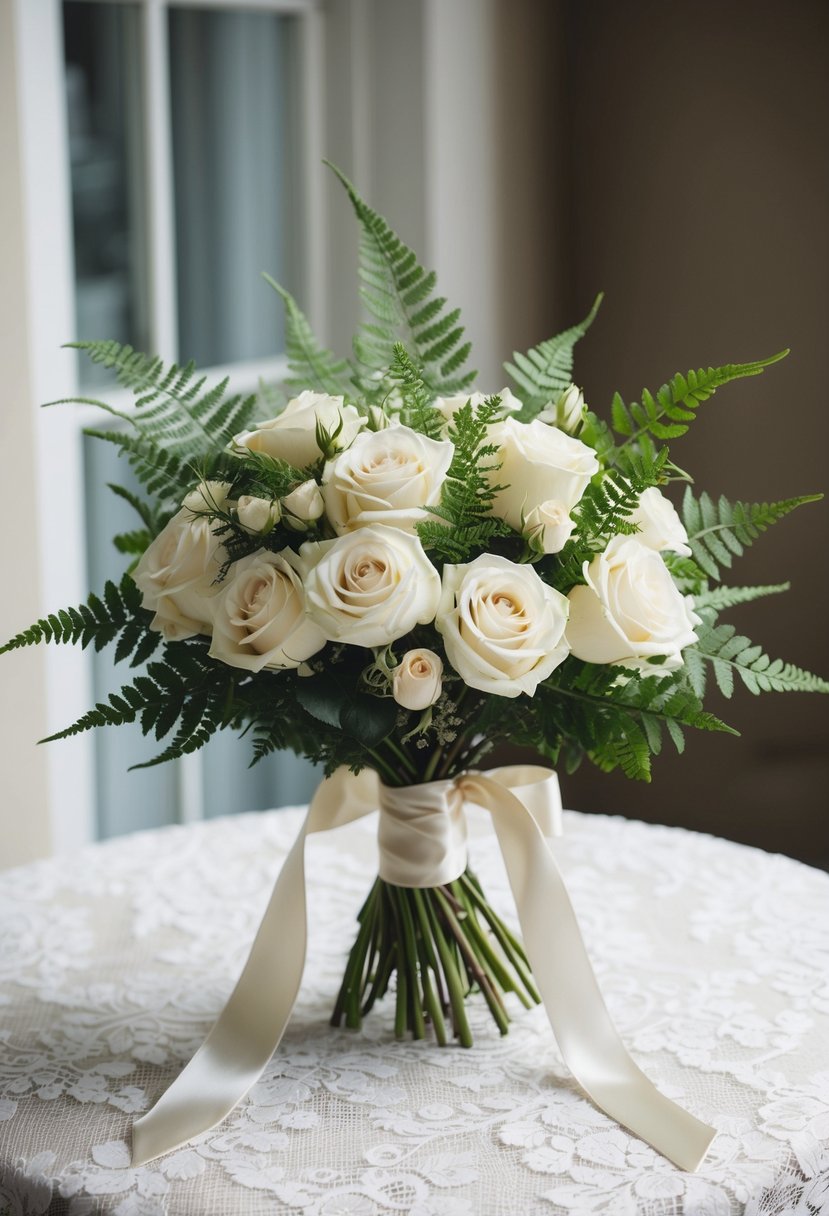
{"type": "Point", "coordinates": [441, 943]}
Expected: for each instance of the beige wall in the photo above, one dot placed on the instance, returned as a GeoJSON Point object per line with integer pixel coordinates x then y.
{"type": "Point", "coordinates": [23, 793]}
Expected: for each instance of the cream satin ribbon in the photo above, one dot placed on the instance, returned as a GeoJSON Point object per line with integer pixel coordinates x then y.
{"type": "Point", "coordinates": [423, 843]}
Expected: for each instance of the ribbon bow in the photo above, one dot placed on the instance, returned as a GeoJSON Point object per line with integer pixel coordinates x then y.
{"type": "Point", "coordinates": [422, 838]}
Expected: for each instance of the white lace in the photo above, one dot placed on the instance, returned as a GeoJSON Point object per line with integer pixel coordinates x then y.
{"type": "Point", "coordinates": [714, 960]}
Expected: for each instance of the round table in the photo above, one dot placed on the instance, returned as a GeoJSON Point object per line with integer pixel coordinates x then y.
{"type": "Point", "coordinates": [713, 959]}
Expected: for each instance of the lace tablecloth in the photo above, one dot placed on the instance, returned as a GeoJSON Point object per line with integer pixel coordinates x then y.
{"type": "Point", "coordinates": [713, 958]}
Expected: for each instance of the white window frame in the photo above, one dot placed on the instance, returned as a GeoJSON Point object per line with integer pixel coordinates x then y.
{"type": "Point", "coordinates": [54, 374]}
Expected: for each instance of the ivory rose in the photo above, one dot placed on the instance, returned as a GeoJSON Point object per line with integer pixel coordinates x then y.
{"type": "Point", "coordinates": [292, 435]}
{"type": "Point", "coordinates": [539, 463]}
{"type": "Point", "coordinates": [659, 525]}
{"type": "Point", "coordinates": [385, 477]}
{"type": "Point", "coordinates": [257, 514]}
{"type": "Point", "coordinates": [417, 681]}
{"type": "Point", "coordinates": [304, 504]}
{"type": "Point", "coordinates": [630, 611]}
{"type": "Point", "coordinates": [449, 406]}
{"type": "Point", "coordinates": [178, 576]}
{"type": "Point", "coordinates": [567, 413]}
{"type": "Point", "coordinates": [370, 586]}
{"type": "Point", "coordinates": [259, 618]}
{"type": "Point", "coordinates": [503, 628]}
{"type": "Point", "coordinates": [208, 496]}
{"type": "Point", "coordinates": [548, 527]}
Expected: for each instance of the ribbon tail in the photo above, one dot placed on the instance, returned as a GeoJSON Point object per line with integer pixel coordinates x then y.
{"type": "Point", "coordinates": [251, 1025]}
{"type": "Point", "coordinates": [588, 1040]}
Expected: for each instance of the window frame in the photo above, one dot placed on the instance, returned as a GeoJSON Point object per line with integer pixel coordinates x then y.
{"type": "Point", "coordinates": [46, 187]}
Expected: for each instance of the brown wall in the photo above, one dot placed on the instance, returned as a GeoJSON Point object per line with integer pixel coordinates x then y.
{"type": "Point", "coordinates": [696, 176]}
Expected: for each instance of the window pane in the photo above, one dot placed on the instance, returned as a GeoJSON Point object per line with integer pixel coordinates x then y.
{"type": "Point", "coordinates": [103, 93]}
{"type": "Point", "coordinates": [235, 122]}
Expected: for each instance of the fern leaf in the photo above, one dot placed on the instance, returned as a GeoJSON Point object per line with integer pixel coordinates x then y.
{"type": "Point", "coordinates": [310, 363]}
{"type": "Point", "coordinates": [400, 296]}
{"type": "Point", "coordinates": [720, 598]}
{"type": "Point", "coordinates": [732, 654]}
{"type": "Point", "coordinates": [173, 408]}
{"type": "Point", "coordinates": [544, 372]}
{"type": "Point", "coordinates": [668, 413]}
{"type": "Point", "coordinates": [720, 531]}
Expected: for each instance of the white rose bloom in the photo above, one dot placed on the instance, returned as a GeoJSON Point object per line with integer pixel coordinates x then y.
{"type": "Point", "coordinates": [503, 628]}
{"type": "Point", "coordinates": [257, 514]}
{"type": "Point", "coordinates": [659, 525]}
{"type": "Point", "coordinates": [567, 412]}
{"type": "Point", "coordinates": [548, 527]}
{"type": "Point", "coordinates": [291, 436]}
{"type": "Point", "coordinates": [208, 496]}
{"type": "Point", "coordinates": [449, 406]}
{"type": "Point", "coordinates": [370, 586]}
{"type": "Point", "coordinates": [539, 463]}
{"type": "Point", "coordinates": [630, 611]}
{"type": "Point", "coordinates": [177, 575]}
{"type": "Point", "coordinates": [259, 618]}
{"type": "Point", "coordinates": [385, 477]}
{"type": "Point", "coordinates": [305, 502]}
{"type": "Point", "coordinates": [418, 679]}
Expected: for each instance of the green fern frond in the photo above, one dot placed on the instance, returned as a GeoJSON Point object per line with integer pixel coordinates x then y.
{"type": "Point", "coordinates": [602, 513]}
{"type": "Point", "coordinates": [730, 654]}
{"type": "Point", "coordinates": [185, 689]}
{"type": "Point", "coordinates": [417, 410]}
{"type": "Point", "coordinates": [161, 472]}
{"type": "Point", "coordinates": [97, 622]}
{"type": "Point", "coordinates": [717, 599]}
{"type": "Point", "coordinates": [400, 295]}
{"type": "Point", "coordinates": [133, 543]}
{"type": "Point", "coordinates": [147, 514]}
{"type": "Point", "coordinates": [719, 532]}
{"type": "Point", "coordinates": [173, 409]}
{"type": "Point", "coordinates": [545, 371]}
{"type": "Point", "coordinates": [668, 413]}
{"type": "Point", "coordinates": [468, 492]}
{"type": "Point", "coordinates": [311, 365]}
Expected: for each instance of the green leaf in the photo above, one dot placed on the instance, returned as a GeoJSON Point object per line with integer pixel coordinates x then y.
{"type": "Point", "coordinates": [720, 531]}
{"type": "Point", "coordinates": [544, 372]}
{"type": "Point", "coordinates": [400, 296]}
{"type": "Point", "coordinates": [732, 654]}
{"type": "Point", "coordinates": [668, 413]}
{"type": "Point", "coordinates": [311, 365]}
{"type": "Point", "coordinates": [321, 699]}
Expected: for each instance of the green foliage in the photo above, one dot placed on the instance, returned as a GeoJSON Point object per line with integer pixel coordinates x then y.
{"type": "Point", "coordinates": [186, 689]}
{"type": "Point", "coordinates": [601, 513]}
{"type": "Point", "coordinates": [173, 410]}
{"type": "Point", "coordinates": [118, 616]}
{"type": "Point", "coordinates": [161, 472]}
{"type": "Point", "coordinates": [400, 296]}
{"type": "Point", "coordinates": [545, 371]}
{"type": "Point", "coordinates": [669, 413]}
{"type": "Point", "coordinates": [467, 491]}
{"type": "Point", "coordinates": [717, 599]}
{"type": "Point", "coordinates": [367, 718]}
{"type": "Point", "coordinates": [417, 410]}
{"type": "Point", "coordinates": [719, 532]}
{"type": "Point", "coordinates": [310, 363]}
{"type": "Point", "coordinates": [616, 718]}
{"type": "Point", "coordinates": [730, 654]}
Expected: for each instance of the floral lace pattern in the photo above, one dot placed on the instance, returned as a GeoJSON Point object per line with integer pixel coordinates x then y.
{"type": "Point", "coordinates": [713, 959]}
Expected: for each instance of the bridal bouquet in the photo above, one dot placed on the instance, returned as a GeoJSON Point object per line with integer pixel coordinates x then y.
{"type": "Point", "coordinates": [396, 571]}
